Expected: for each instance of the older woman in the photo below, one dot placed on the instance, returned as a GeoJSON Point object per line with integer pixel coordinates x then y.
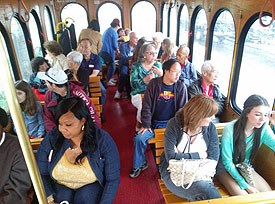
{"type": "Point", "coordinates": [192, 135]}
{"type": "Point", "coordinates": [55, 55]}
{"type": "Point", "coordinates": [142, 72]}
{"type": "Point", "coordinates": [78, 162]}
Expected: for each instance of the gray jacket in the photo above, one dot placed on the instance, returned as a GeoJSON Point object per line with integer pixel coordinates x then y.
{"type": "Point", "coordinates": [172, 137]}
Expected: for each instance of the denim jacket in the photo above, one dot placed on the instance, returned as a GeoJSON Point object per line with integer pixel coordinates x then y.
{"type": "Point", "coordinates": [104, 161]}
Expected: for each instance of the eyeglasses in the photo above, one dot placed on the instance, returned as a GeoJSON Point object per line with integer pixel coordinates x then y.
{"type": "Point", "coordinates": [152, 53]}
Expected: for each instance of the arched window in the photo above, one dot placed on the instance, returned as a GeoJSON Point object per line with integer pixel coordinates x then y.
{"type": "Point", "coordinates": [165, 20]}
{"type": "Point", "coordinates": [21, 49]}
{"type": "Point", "coordinates": [257, 71]}
{"type": "Point", "coordinates": [49, 23]}
{"type": "Point", "coordinates": [4, 56]}
{"type": "Point", "coordinates": [199, 39]}
{"type": "Point", "coordinates": [184, 20]}
{"type": "Point", "coordinates": [173, 24]}
{"type": "Point", "coordinates": [35, 28]}
{"type": "Point", "coordinates": [144, 11]}
{"type": "Point", "coordinates": [104, 20]}
{"type": "Point", "coordinates": [78, 13]}
{"type": "Point", "coordinates": [223, 41]}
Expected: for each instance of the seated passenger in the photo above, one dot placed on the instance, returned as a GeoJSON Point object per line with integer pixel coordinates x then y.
{"type": "Point", "coordinates": [206, 85]}
{"type": "Point", "coordinates": [135, 57]}
{"type": "Point", "coordinates": [91, 62]}
{"type": "Point", "coordinates": [15, 181]}
{"type": "Point", "coordinates": [126, 52]}
{"type": "Point", "coordinates": [55, 55]}
{"type": "Point", "coordinates": [241, 140]}
{"type": "Point", "coordinates": [191, 135]}
{"type": "Point", "coordinates": [121, 36]}
{"type": "Point", "coordinates": [77, 73]}
{"type": "Point", "coordinates": [168, 50]}
{"type": "Point", "coordinates": [39, 64]}
{"type": "Point", "coordinates": [58, 89]}
{"type": "Point", "coordinates": [78, 162]}
{"type": "Point", "coordinates": [142, 72]}
{"type": "Point", "coordinates": [163, 97]}
{"type": "Point", "coordinates": [188, 71]}
{"type": "Point", "coordinates": [31, 109]}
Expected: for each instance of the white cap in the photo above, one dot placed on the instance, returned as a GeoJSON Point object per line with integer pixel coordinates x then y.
{"type": "Point", "coordinates": [54, 75]}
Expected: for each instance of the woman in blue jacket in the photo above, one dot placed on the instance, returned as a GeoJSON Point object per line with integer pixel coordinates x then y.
{"type": "Point", "coordinates": [241, 140]}
{"type": "Point", "coordinates": [78, 161]}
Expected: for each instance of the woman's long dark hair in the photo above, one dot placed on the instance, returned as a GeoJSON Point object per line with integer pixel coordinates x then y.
{"type": "Point", "coordinates": [239, 130]}
{"type": "Point", "coordinates": [80, 110]}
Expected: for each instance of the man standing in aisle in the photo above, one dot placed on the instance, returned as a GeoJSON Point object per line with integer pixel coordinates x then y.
{"type": "Point", "coordinates": [109, 49]}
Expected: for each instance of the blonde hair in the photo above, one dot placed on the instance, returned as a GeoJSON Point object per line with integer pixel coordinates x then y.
{"type": "Point", "coordinates": [197, 108]}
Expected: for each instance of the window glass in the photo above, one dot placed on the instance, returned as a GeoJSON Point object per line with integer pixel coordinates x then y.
{"type": "Point", "coordinates": [48, 23]}
{"type": "Point", "coordinates": [21, 50]}
{"type": "Point", "coordinates": [173, 24]}
{"type": "Point", "coordinates": [104, 20]}
{"type": "Point", "coordinates": [165, 20]}
{"type": "Point", "coordinates": [138, 18]}
{"type": "Point", "coordinates": [36, 44]}
{"type": "Point", "coordinates": [257, 69]}
{"type": "Point", "coordinates": [78, 14]}
{"type": "Point", "coordinates": [184, 18]}
{"type": "Point", "coordinates": [223, 47]}
{"type": "Point", "coordinates": [4, 56]}
{"type": "Point", "coordinates": [199, 40]}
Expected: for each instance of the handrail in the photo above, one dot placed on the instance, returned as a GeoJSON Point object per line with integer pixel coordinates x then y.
{"type": "Point", "coordinates": [19, 123]}
{"type": "Point", "coordinates": [272, 2]}
{"type": "Point", "coordinates": [21, 2]}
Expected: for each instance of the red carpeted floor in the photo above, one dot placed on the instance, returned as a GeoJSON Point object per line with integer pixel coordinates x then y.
{"type": "Point", "coordinates": [120, 123]}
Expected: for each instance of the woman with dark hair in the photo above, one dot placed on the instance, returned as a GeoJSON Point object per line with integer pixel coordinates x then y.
{"type": "Point", "coordinates": [15, 181]}
{"type": "Point", "coordinates": [92, 33]}
{"type": "Point", "coordinates": [192, 135]}
{"type": "Point", "coordinates": [78, 162]}
{"type": "Point", "coordinates": [241, 140]}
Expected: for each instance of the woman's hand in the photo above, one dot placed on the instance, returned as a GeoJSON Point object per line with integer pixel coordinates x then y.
{"type": "Point", "coordinates": [71, 154]}
{"type": "Point", "coordinates": [157, 71]}
{"type": "Point", "coordinates": [251, 189]}
{"type": "Point", "coordinates": [148, 78]}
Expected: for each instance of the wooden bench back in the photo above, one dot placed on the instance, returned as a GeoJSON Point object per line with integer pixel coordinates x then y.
{"type": "Point", "coordinates": [158, 140]}
{"type": "Point", "coordinates": [94, 86]}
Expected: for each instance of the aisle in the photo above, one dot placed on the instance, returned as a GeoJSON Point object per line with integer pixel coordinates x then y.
{"type": "Point", "coordinates": [120, 123]}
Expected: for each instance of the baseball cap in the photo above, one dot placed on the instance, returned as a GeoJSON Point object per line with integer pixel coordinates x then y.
{"type": "Point", "coordinates": [116, 21]}
{"type": "Point", "coordinates": [54, 75]}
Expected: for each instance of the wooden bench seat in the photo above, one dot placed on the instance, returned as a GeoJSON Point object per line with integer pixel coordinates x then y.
{"type": "Point", "coordinates": [169, 197]}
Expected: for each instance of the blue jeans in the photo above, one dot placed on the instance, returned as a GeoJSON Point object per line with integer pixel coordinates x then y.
{"type": "Point", "coordinates": [111, 68]}
{"type": "Point", "coordinates": [103, 96]}
{"type": "Point", "coordinates": [199, 190]}
{"type": "Point", "coordinates": [88, 194]}
{"type": "Point", "coordinates": [140, 144]}
{"type": "Point", "coordinates": [123, 77]}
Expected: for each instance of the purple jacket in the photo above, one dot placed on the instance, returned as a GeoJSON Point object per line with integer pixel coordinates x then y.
{"type": "Point", "coordinates": [52, 99]}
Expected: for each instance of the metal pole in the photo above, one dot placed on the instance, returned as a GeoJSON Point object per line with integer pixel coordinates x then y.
{"type": "Point", "coordinates": [19, 123]}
